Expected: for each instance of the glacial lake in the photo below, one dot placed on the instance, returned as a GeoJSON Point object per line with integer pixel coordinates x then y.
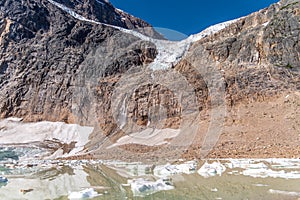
{"type": "Point", "coordinates": [210, 179]}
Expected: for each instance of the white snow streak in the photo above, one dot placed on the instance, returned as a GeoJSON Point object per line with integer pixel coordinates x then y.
{"type": "Point", "coordinates": [100, 2]}
{"type": "Point", "coordinates": [169, 52]}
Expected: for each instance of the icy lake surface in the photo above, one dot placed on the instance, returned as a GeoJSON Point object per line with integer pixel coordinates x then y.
{"type": "Point", "coordinates": [209, 179]}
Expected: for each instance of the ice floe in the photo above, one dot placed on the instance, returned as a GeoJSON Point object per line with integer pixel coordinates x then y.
{"type": "Point", "coordinates": [209, 170]}
{"type": "Point", "coordinates": [87, 193]}
{"type": "Point", "coordinates": [168, 169]}
{"type": "Point", "coordinates": [260, 185]}
{"type": "Point", "coordinates": [284, 192]}
{"type": "Point", "coordinates": [284, 163]}
{"type": "Point", "coordinates": [141, 187]}
{"type": "Point", "coordinates": [244, 164]}
{"type": "Point", "coordinates": [264, 173]}
{"type": "Point", "coordinates": [3, 179]}
{"type": "Point", "coordinates": [263, 168]}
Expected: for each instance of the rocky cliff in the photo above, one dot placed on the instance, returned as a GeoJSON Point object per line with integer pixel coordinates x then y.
{"type": "Point", "coordinates": [44, 47]}
{"type": "Point", "coordinates": [67, 65]}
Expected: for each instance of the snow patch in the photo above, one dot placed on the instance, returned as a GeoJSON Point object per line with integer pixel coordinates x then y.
{"type": "Point", "coordinates": [148, 137]}
{"type": "Point", "coordinates": [210, 30]}
{"type": "Point", "coordinates": [120, 10]}
{"type": "Point", "coordinates": [14, 119]}
{"type": "Point", "coordinates": [100, 2]}
{"type": "Point", "coordinates": [20, 133]}
{"type": "Point", "coordinates": [265, 24]}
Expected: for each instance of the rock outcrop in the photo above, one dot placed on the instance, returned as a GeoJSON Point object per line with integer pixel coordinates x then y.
{"type": "Point", "coordinates": [55, 67]}
{"type": "Point", "coordinates": [43, 51]}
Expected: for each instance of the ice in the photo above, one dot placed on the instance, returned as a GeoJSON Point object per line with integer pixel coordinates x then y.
{"type": "Point", "coordinates": [260, 185]}
{"type": "Point", "coordinates": [245, 164]}
{"type": "Point", "coordinates": [209, 170]}
{"type": "Point", "coordinates": [29, 133]}
{"type": "Point", "coordinates": [141, 187]}
{"type": "Point", "coordinates": [265, 24]}
{"type": "Point", "coordinates": [87, 193]}
{"type": "Point", "coordinates": [265, 173]}
{"type": "Point", "coordinates": [120, 10]}
{"type": "Point", "coordinates": [263, 168]}
{"type": "Point", "coordinates": [284, 192]}
{"type": "Point", "coordinates": [168, 169]}
{"type": "Point", "coordinates": [3, 179]}
{"type": "Point", "coordinates": [284, 163]}
{"type": "Point", "coordinates": [260, 163]}
{"type": "Point", "coordinates": [14, 119]}
{"type": "Point", "coordinates": [169, 52]}
{"type": "Point", "coordinates": [210, 30]}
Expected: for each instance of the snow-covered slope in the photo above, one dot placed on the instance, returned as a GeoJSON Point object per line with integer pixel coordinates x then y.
{"type": "Point", "coordinates": [169, 52]}
{"type": "Point", "coordinates": [27, 134]}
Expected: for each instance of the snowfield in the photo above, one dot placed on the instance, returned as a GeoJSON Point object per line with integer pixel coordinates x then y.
{"type": "Point", "coordinates": [15, 132]}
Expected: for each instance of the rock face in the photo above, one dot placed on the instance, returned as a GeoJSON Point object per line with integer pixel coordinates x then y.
{"type": "Point", "coordinates": [58, 68]}
{"type": "Point", "coordinates": [104, 12]}
{"type": "Point", "coordinates": [259, 54]}
{"type": "Point", "coordinates": [43, 50]}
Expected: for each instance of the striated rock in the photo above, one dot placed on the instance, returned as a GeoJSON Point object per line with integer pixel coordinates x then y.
{"type": "Point", "coordinates": [42, 60]}
{"type": "Point", "coordinates": [259, 54]}
{"type": "Point", "coordinates": [104, 12]}
{"type": "Point", "coordinates": [56, 67]}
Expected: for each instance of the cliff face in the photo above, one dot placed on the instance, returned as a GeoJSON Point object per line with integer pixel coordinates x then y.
{"type": "Point", "coordinates": [104, 12]}
{"type": "Point", "coordinates": [259, 54]}
{"type": "Point", "coordinates": [258, 57]}
{"type": "Point", "coordinates": [56, 67]}
{"type": "Point", "coordinates": [43, 50]}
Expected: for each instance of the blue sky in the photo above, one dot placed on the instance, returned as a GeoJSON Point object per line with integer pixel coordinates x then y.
{"type": "Point", "coordinates": [189, 16]}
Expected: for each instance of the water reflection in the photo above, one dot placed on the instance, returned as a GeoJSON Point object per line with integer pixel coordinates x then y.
{"type": "Point", "coordinates": [3, 184]}
{"type": "Point", "coordinates": [111, 180]}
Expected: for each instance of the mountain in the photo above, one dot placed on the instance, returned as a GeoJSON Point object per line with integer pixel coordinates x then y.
{"type": "Point", "coordinates": [230, 91]}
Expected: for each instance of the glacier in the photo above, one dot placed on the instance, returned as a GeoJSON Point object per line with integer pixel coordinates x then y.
{"type": "Point", "coordinates": [169, 52]}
